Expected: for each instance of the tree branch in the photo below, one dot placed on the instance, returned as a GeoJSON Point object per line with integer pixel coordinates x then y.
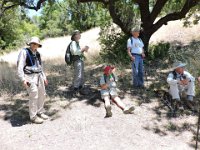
{"type": "Point", "coordinates": [157, 9]}
{"type": "Point", "coordinates": [175, 16]}
{"type": "Point", "coordinates": [116, 17]}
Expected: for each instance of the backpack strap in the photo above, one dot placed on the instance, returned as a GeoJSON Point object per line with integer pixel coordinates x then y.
{"type": "Point", "coordinates": [27, 52]}
{"type": "Point", "coordinates": [106, 76]}
{"type": "Point", "coordinates": [174, 75]}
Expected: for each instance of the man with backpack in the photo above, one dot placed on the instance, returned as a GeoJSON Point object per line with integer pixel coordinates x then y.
{"type": "Point", "coordinates": [181, 81]}
{"type": "Point", "coordinates": [33, 78]}
{"type": "Point", "coordinates": [136, 52]}
{"type": "Point", "coordinates": [77, 59]}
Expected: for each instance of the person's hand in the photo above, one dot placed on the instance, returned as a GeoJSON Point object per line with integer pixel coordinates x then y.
{"type": "Point", "coordinates": [85, 49]}
{"type": "Point", "coordinates": [104, 86]}
{"type": "Point", "coordinates": [46, 82]}
{"type": "Point", "coordinates": [143, 55]}
{"type": "Point", "coordinates": [184, 82]}
{"type": "Point", "coordinates": [26, 84]}
{"type": "Point", "coordinates": [198, 80]}
{"type": "Point", "coordinates": [132, 58]}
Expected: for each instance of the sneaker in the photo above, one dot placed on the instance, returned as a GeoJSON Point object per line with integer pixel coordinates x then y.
{"type": "Point", "coordinates": [37, 120]}
{"type": "Point", "coordinates": [129, 110]}
{"type": "Point", "coordinates": [108, 112]}
{"type": "Point", "coordinates": [43, 116]}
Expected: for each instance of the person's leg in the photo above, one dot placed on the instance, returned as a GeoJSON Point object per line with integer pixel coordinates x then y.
{"type": "Point", "coordinates": [135, 64]}
{"type": "Point", "coordinates": [82, 75]}
{"type": "Point", "coordinates": [174, 91]}
{"type": "Point", "coordinates": [140, 73]}
{"type": "Point", "coordinates": [190, 94]}
{"type": "Point", "coordinates": [190, 90]}
{"type": "Point", "coordinates": [41, 98]}
{"type": "Point", "coordinates": [107, 106]}
{"type": "Point", "coordinates": [33, 99]}
{"type": "Point", "coordinates": [120, 104]}
{"type": "Point", "coordinates": [77, 74]}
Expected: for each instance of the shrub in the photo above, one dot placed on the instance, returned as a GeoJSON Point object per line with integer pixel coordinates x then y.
{"type": "Point", "coordinates": [113, 45]}
{"type": "Point", "coordinates": [159, 50]}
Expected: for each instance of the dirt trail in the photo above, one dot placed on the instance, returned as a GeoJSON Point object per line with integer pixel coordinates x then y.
{"type": "Point", "coordinates": [79, 123]}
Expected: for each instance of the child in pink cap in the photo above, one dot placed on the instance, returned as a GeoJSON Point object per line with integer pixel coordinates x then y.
{"type": "Point", "coordinates": [109, 91]}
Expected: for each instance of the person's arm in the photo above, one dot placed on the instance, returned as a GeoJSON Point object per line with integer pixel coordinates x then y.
{"type": "Point", "coordinates": [171, 80]}
{"type": "Point", "coordinates": [129, 50]}
{"type": "Point", "coordinates": [103, 84]}
{"type": "Point", "coordinates": [20, 68]}
{"type": "Point", "coordinates": [189, 77]}
{"type": "Point", "coordinates": [44, 76]}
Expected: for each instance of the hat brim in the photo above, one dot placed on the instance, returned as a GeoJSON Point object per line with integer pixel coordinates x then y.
{"type": "Point", "coordinates": [179, 66]}
{"type": "Point", "coordinates": [29, 44]}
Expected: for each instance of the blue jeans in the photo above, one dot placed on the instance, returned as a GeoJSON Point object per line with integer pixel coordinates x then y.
{"type": "Point", "coordinates": [137, 71]}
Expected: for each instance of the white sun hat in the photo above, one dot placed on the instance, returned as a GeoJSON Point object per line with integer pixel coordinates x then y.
{"type": "Point", "coordinates": [178, 64]}
{"type": "Point", "coordinates": [35, 40]}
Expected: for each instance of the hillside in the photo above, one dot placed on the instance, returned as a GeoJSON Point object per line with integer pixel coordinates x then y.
{"type": "Point", "coordinates": [79, 123]}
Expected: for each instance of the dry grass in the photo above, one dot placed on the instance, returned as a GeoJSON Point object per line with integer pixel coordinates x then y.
{"type": "Point", "coordinates": [78, 123]}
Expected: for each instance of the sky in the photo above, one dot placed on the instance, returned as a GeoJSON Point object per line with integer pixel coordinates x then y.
{"type": "Point", "coordinates": [32, 13]}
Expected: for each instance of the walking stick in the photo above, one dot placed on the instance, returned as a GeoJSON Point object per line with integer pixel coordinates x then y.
{"type": "Point", "coordinates": [197, 136]}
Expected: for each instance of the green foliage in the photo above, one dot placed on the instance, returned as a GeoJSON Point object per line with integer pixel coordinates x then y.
{"type": "Point", "coordinates": [15, 29]}
{"type": "Point", "coordinates": [159, 50]}
{"type": "Point", "coordinates": [63, 17]}
{"type": "Point", "coordinates": [113, 43]}
{"type": "Point", "coordinates": [189, 54]}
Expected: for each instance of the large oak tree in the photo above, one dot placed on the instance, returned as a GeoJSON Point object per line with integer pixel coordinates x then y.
{"type": "Point", "coordinates": [153, 13]}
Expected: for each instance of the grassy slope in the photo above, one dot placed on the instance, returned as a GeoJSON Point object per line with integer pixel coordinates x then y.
{"type": "Point", "coordinates": [78, 123]}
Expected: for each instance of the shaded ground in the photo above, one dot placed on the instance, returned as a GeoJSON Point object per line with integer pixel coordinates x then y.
{"type": "Point", "coordinates": [79, 123]}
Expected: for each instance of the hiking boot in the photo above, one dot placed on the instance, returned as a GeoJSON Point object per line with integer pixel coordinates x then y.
{"type": "Point", "coordinates": [75, 92]}
{"type": "Point", "coordinates": [108, 112]}
{"type": "Point", "coordinates": [190, 104]}
{"type": "Point", "coordinates": [129, 110]}
{"type": "Point", "coordinates": [37, 120]}
{"type": "Point", "coordinates": [178, 104]}
{"type": "Point", "coordinates": [84, 91]}
{"type": "Point", "coordinates": [43, 116]}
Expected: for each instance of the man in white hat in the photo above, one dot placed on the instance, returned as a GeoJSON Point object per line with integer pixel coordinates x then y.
{"type": "Point", "coordinates": [33, 78]}
{"type": "Point", "coordinates": [180, 81]}
{"type": "Point", "coordinates": [136, 53]}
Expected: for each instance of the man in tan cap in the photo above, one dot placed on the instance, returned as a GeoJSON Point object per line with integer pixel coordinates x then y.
{"type": "Point", "coordinates": [180, 81]}
{"type": "Point", "coordinates": [33, 78]}
{"type": "Point", "coordinates": [136, 53]}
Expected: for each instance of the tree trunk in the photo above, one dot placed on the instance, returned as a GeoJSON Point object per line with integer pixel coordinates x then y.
{"type": "Point", "coordinates": [145, 36]}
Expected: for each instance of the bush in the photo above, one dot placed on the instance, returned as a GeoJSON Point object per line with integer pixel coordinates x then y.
{"type": "Point", "coordinates": [113, 43]}
{"type": "Point", "coordinates": [159, 50]}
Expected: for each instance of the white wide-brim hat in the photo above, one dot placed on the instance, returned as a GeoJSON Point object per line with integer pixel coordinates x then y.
{"type": "Point", "coordinates": [35, 40]}
{"type": "Point", "coordinates": [178, 65]}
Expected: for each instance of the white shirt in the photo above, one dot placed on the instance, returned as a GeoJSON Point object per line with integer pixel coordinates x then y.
{"type": "Point", "coordinates": [136, 45]}
{"type": "Point", "coordinates": [171, 80]}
